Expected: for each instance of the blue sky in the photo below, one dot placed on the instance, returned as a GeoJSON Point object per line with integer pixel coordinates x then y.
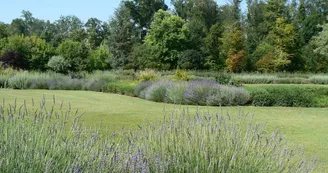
{"type": "Point", "coordinates": [53, 9]}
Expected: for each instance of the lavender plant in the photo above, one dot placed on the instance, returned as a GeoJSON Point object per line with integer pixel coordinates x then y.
{"type": "Point", "coordinates": [200, 92]}
{"type": "Point", "coordinates": [51, 138]}
{"type": "Point", "coordinates": [157, 91]}
{"type": "Point", "coordinates": [175, 93]}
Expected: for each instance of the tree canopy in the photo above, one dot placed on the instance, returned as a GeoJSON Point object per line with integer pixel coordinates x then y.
{"type": "Point", "coordinates": [267, 35]}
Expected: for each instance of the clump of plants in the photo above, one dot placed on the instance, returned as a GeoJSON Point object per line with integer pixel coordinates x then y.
{"type": "Point", "coordinates": [289, 96]}
{"type": "Point", "coordinates": [39, 139]}
{"type": "Point", "coordinates": [200, 92]}
{"type": "Point", "coordinates": [181, 75]}
{"type": "Point", "coordinates": [148, 75]}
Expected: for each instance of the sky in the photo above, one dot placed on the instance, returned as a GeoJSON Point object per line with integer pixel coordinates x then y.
{"type": "Point", "coordinates": [53, 9]}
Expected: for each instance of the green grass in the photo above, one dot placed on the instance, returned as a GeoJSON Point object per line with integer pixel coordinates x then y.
{"type": "Point", "coordinates": [302, 126]}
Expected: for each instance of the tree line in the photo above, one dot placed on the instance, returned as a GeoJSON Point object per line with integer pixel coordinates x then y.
{"type": "Point", "coordinates": [269, 35]}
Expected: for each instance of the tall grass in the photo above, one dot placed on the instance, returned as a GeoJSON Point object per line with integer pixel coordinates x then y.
{"type": "Point", "coordinates": [319, 79]}
{"type": "Point", "coordinates": [50, 138]}
{"type": "Point", "coordinates": [255, 78]}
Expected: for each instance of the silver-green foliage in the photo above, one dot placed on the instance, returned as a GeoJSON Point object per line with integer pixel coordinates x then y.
{"type": "Point", "coordinates": [201, 92]}
{"type": "Point", "coordinates": [58, 64]}
{"type": "Point", "coordinates": [49, 138]}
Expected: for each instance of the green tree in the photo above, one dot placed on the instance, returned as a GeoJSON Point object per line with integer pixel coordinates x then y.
{"type": "Point", "coordinates": [142, 11]}
{"type": "Point", "coordinates": [205, 11]}
{"type": "Point", "coordinates": [123, 35]}
{"type": "Point", "coordinates": [18, 27]}
{"type": "Point", "coordinates": [212, 45]}
{"type": "Point", "coordinates": [233, 44]}
{"type": "Point", "coordinates": [320, 41]}
{"type": "Point", "coordinates": [275, 9]}
{"type": "Point", "coordinates": [98, 59]}
{"type": "Point", "coordinates": [255, 30]}
{"type": "Point", "coordinates": [74, 53]}
{"type": "Point", "coordinates": [59, 64]}
{"type": "Point", "coordinates": [166, 39]}
{"type": "Point", "coordinates": [96, 31]}
{"type": "Point", "coordinates": [282, 44]}
{"type": "Point", "coordinates": [36, 51]}
{"type": "Point", "coordinates": [3, 30]}
{"type": "Point", "coordinates": [41, 51]}
{"type": "Point", "coordinates": [69, 27]}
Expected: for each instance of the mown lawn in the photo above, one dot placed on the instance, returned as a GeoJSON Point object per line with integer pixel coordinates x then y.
{"type": "Point", "coordinates": [306, 127]}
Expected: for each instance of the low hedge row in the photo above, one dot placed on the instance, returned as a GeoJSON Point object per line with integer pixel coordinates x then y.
{"type": "Point", "coordinates": [288, 95]}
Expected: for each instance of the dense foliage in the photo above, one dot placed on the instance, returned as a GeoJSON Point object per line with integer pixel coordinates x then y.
{"type": "Point", "coordinates": [266, 36]}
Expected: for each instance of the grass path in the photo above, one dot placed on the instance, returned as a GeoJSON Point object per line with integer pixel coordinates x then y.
{"type": "Point", "coordinates": [306, 127]}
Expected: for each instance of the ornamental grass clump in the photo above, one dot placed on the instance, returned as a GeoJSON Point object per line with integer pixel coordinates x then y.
{"type": "Point", "coordinates": [105, 76]}
{"type": "Point", "coordinates": [51, 138]}
{"type": "Point", "coordinates": [255, 78]}
{"type": "Point", "coordinates": [20, 80]}
{"type": "Point", "coordinates": [319, 79]}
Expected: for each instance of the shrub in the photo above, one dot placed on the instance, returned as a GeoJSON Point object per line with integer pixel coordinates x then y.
{"type": "Point", "coordinates": [75, 53]}
{"type": "Point", "coordinates": [14, 59]}
{"type": "Point", "coordinates": [227, 96]}
{"type": "Point", "coordinates": [261, 97]}
{"type": "Point", "coordinates": [98, 59]}
{"type": "Point", "coordinates": [8, 71]}
{"type": "Point", "coordinates": [292, 96]}
{"type": "Point", "coordinates": [176, 93]}
{"type": "Point", "coordinates": [20, 81]}
{"type": "Point", "coordinates": [235, 63]}
{"type": "Point", "coordinates": [59, 64]}
{"type": "Point", "coordinates": [94, 85]}
{"type": "Point", "coordinates": [223, 78]}
{"type": "Point", "coordinates": [240, 96]}
{"type": "Point", "coordinates": [203, 92]}
{"type": "Point", "coordinates": [121, 87]}
{"type": "Point", "coordinates": [148, 75]}
{"type": "Point", "coordinates": [157, 91]}
{"type": "Point", "coordinates": [181, 75]}
{"type": "Point", "coordinates": [141, 87]}
{"type": "Point", "coordinates": [105, 76]}
{"type": "Point", "coordinates": [192, 142]}
{"type": "Point", "coordinates": [67, 84]}
{"type": "Point", "coordinates": [198, 91]}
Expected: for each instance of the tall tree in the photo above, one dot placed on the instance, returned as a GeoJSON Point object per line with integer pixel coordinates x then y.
{"type": "Point", "coordinates": [255, 29]}
{"type": "Point", "coordinates": [205, 11]}
{"type": "Point", "coordinates": [3, 30]}
{"type": "Point", "coordinates": [166, 39]}
{"type": "Point", "coordinates": [142, 12]}
{"type": "Point", "coordinates": [96, 31]}
{"type": "Point", "coordinates": [123, 35]}
{"type": "Point", "coordinates": [279, 46]}
{"type": "Point", "coordinates": [69, 27]}
{"type": "Point", "coordinates": [275, 9]}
